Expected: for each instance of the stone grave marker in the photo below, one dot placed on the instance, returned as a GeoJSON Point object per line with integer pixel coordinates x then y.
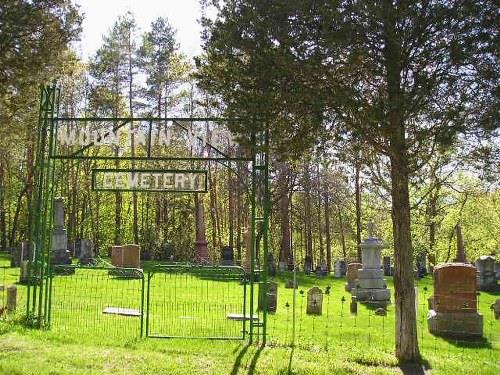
{"type": "Point", "coordinates": [227, 256]}
{"type": "Point", "coordinates": [271, 265]}
{"type": "Point", "coordinates": [314, 301]}
{"type": "Point", "coordinates": [496, 308]}
{"type": "Point", "coordinates": [338, 269]}
{"type": "Point", "coordinates": [289, 284]}
{"type": "Point", "coordinates": [127, 256]}
{"type": "Point", "coordinates": [322, 270]}
{"type": "Point", "coordinates": [421, 265]}
{"type": "Point", "coordinates": [352, 276]}
{"type": "Point", "coordinates": [371, 285]}
{"type": "Point", "coordinates": [486, 277]}
{"type": "Point", "coordinates": [20, 253]}
{"type": "Point", "coordinates": [86, 251]}
{"type": "Point", "coordinates": [343, 267]}
{"type": "Point", "coordinates": [386, 261]}
{"type": "Point", "coordinates": [282, 266]}
{"type": "Point", "coordinates": [272, 296]}
{"type": "Point", "coordinates": [11, 298]}
{"type": "Point", "coordinates": [308, 266]}
{"type": "Point", "coordinates": [454, 303]}
{"type": "Point", "coordinates": [60, 253]}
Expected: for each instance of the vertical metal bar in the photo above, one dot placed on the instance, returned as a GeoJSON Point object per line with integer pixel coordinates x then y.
{"type": "Point", "coordinates": [52, 165]}
{"type": "Point", "coordinates": [252, 238]}
{"type": "Point", "coordinates": [150, 137]}
{"type": "Point", "coordinates": [142, 304]}
{"type": "Point", "coordinates": [150, 275]}
{"type": "Point", "coordinates": [244, 305]}
{"type": "Point", "coordinates": [266, 209]}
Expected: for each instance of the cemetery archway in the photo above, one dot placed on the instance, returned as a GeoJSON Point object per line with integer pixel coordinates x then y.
{"type": "Point", "coordinates": [145, 145]}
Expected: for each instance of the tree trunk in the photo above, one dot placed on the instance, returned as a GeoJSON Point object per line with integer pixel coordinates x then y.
{"type": "Point", "coordinates": [327, 231]}
{"type": "Point", "coordinates": [308, 218]}
{"type": "Point", "coordinates": [406, 322]}
{"type": "Point", "coordinates": [3, 226]}
{"type": "Point", "coordinates": [342, 233]}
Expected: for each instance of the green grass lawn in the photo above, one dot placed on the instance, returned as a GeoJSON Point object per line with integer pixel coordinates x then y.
{"type": "Point", "coordinates": [83, 340]}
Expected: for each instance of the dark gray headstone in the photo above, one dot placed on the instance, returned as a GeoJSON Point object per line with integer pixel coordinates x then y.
{"type": "Point", "coordinates": [386, 263]}
{"type": "Point", "coordinates": [227, 256]}
{"type": "Point", "coordinates": [308, 266]}
{"type": "Point", "coordinates": [272, 296]}
{"type": "Point", "coordinates": [86, 253]}
{"type": "Point", "coordinates": [271, 266]}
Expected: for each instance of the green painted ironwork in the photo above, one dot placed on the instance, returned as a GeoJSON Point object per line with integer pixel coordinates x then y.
{"type": "Point", "coordinates": [195, 301]}
{"type": "Point", "coordinates": [40, 293]}
{"type": "Point", "coordinates": [100, 299]}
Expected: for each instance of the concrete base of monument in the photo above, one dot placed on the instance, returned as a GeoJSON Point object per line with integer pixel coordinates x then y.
{"type": "Point", "coordinates": [455, 325]}
{"type": "Point", "coordinates": [377, 296]}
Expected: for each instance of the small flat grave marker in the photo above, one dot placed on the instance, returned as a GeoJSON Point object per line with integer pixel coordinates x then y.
{"type": "Point", "coordinates": [121, 311]}
{"type": "Point", "coordinates": [241, 317]}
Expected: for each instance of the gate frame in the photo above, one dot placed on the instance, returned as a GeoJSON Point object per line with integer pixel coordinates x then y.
{"type": "Point", "coordinates": [38, 304]}
{"type": "Point", "coordinates": [160, 268]}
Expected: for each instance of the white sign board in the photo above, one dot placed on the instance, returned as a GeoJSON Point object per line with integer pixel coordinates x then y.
{"type": "Point", "coordinates": [189, 181]}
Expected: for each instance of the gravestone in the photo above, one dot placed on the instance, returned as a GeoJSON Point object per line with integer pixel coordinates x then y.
{"type": "Point", "coordinates": [24, 272]}
{"type": "Point", "coordinates": [386, 261]}
{"type": "Point", "coordinates": [371, 285]}
{"type": "Point", "coordinates": [338, 270]}
{"type": "Point", "coordinates": [127, 256]}
{"type": "Point", "coordinates": [227, 256]}
{"type": "Point", "coordinates": [11, 298]}
{"type": "Point", "coordinates": [290, 285]}
{"type": "Point", "coordinates": [322, 270]}
{"type": "Point", "coordinates": [20, 253]}
{"type": "Point", "coordinates": [497, 270]}
{"type": "Point", "coordinates": [282, 266]}
{"type": "Point", "coordinates": [308, 266]}
{"type": "Point", "coordinates": [60, 253]}
{"type": "Point", "coordinates": [352, 276]}
{"type": "Point", "coordinates": [453, 310]}
{"type": "Point", "coordinates": [86, 251]}
{"type": "Point", "coordinates": [486, 276]}
{"type": "Point", "coordinates": [496, 308]}
{"type": "Point", "coordinates": [272, 296]}
{"type": "Point", "coordinates": [343, 268]}
{"type": "Point", "coordinates": [77, 247]}
{"type": "Point", "coordinates": [314, 301]}
{"type": "Point", "coordinates": [421, 265]}
{"type": "Point", "coordinates": [353, 306]}
{"type": "Point", "coordinates": [271, 266]}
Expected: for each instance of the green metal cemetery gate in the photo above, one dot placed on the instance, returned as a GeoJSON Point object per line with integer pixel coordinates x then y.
{"type": "Point", "coordinates": [196, 302]}
{"type": "Point", "coordinates": [43, 292]}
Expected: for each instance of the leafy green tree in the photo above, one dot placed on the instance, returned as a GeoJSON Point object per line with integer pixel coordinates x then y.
{"type": "Point", "coordinates": [165, 68]}
{"type": "Point", "coordinates": [391, 73]}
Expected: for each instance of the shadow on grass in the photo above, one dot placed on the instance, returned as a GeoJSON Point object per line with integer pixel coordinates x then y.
{"type": "Point", "coordinates": [290, 361]}
{"type": "Point", "coordinates": [255, 358]}
{"type": "Point", "coordinates": [239, 357]}
{"type": "Point", "coordinates": [419, 368]}
{"type": "Point", "coordinates": [470, 343]}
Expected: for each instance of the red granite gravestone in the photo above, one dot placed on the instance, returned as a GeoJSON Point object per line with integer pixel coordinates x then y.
{"type": "Point", "coordinates": [352, 275]}
{"type": "Point", "coordinates": [453, 307]}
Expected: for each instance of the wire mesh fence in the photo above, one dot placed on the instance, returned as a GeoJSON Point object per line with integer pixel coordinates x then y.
{"type": "Point", "coordinates": [196, 302]}
{"type": "Point", "coordinates": [373, 328]}
{"type": "Point", "coordinates": [99, 302]}
{"type": "Point", "coordinates": [12, 292]}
